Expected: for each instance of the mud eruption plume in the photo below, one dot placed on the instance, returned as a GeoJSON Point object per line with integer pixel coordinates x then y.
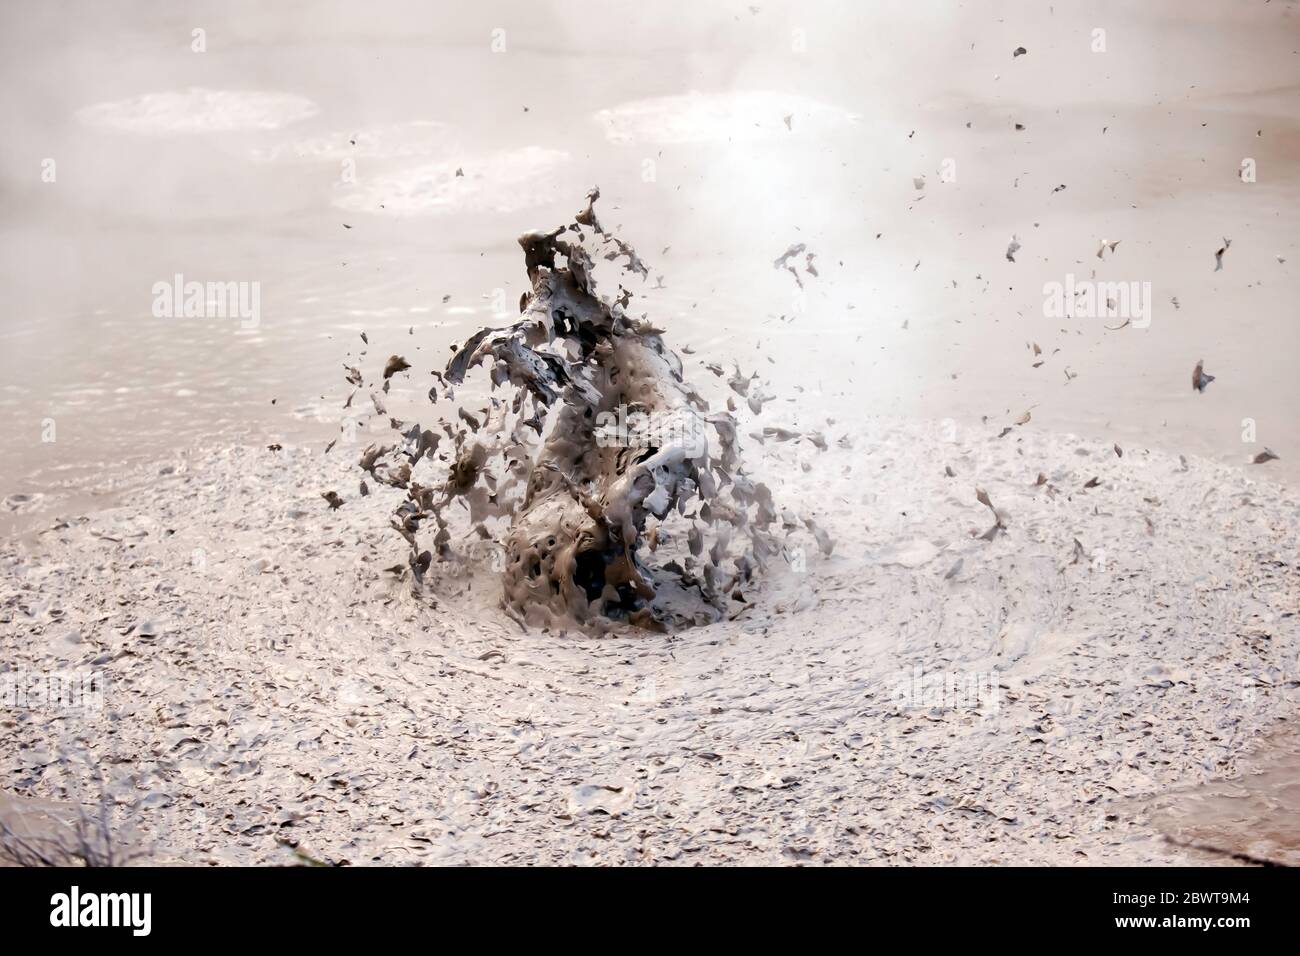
{"type": "Point", "coordinates": [601, 450]}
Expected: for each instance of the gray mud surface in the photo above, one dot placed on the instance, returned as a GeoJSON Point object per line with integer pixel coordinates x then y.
{"type": "Point", "coordinates": [272, 694]}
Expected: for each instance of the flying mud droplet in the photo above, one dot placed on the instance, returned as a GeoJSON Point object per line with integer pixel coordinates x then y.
{"type": "Point", "coordinates": [999, 524]}
{"type": "Point", "coordinates": [783, 262]}
{"type": "Point", "coordinates": [395, 364]}
{"type": "Point", "coordinates": [1218, 256]}
{"type": "Point", "coordinates": [1200, 377]}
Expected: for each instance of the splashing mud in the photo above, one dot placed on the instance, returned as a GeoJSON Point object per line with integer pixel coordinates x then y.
{"type": "Point", "coordinates": [600, 441]}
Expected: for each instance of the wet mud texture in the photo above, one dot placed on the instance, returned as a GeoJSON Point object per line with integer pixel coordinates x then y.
{"type": "Point", "coordinates": [271, 690]}
{"type": "Point", "coordinates": [592, 442]}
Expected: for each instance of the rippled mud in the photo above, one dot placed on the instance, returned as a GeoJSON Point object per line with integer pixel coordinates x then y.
{"type": "Point", "coordinates": [928, 692]}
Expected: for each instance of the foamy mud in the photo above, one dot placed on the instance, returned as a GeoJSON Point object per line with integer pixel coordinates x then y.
{"type": "Point", "coordinates": [958, 682]}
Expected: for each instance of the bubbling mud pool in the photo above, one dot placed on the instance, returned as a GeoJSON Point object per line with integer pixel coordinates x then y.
{"type": "Point", "coordinates": [929, 689]}
{"type": "Point", "coordinates": [598, 441]}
